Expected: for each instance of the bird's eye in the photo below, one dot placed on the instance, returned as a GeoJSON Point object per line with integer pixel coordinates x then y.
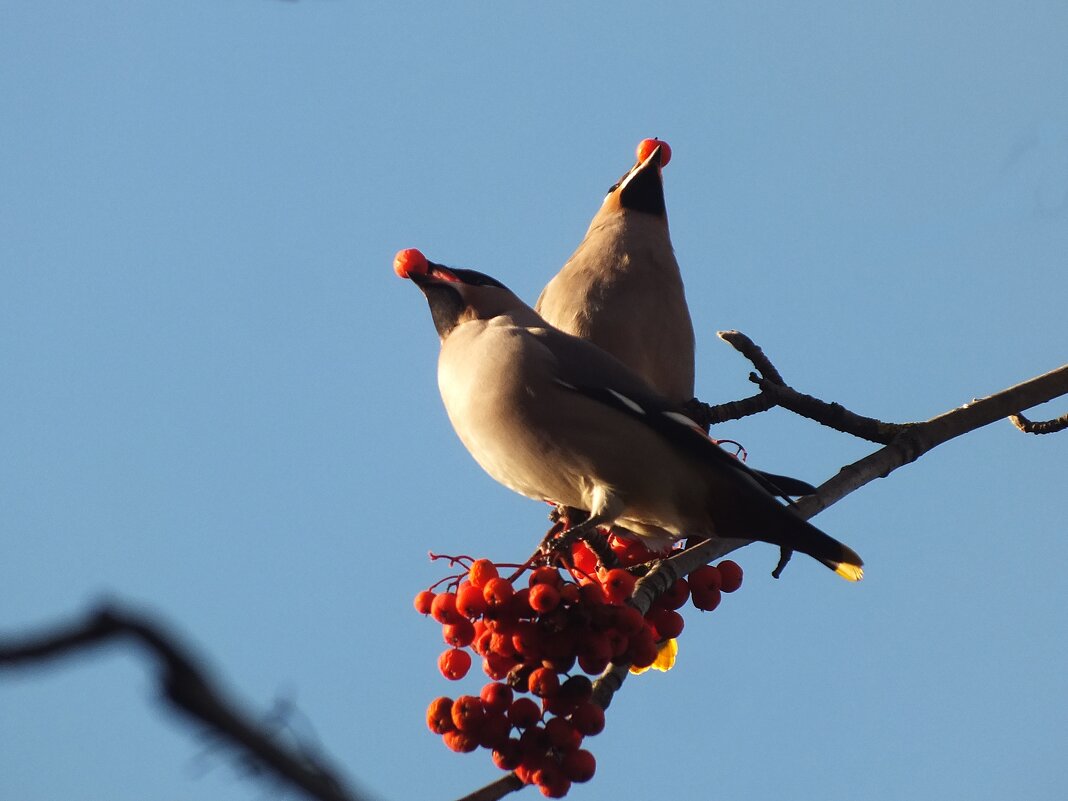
{"type": "Point", "coordinates": [613, 187]}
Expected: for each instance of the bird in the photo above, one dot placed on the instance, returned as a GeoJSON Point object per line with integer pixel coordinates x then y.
{"type": "Point", "coordinates": [555, 418]}
{"type": "Point", "coordinates": [622, 288]}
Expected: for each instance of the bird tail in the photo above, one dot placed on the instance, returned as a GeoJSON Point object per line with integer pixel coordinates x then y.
{"type": "Point", "coordinates": [769, 521]}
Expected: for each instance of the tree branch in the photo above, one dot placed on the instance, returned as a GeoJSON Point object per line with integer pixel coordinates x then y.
{"type": "Point", "coordinates": [186, 687]}
{"type": "Point", "coordinates": [1040, 426]}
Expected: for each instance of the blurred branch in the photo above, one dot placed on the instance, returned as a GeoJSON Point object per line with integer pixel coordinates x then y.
{"type": "Point", "coordinates": [185, 686]}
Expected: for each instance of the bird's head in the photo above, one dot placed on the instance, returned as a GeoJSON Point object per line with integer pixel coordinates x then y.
{"type": "Point", "coordinates": [641, 188]}
{"type": "Point", "coordinates": [456, 295]}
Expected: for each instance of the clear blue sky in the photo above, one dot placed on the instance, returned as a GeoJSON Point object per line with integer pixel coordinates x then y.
{"type": "Point", "coordinates": [218, 402]}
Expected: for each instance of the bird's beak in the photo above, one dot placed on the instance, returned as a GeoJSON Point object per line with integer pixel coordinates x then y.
{"type": "Point", "coordinates": [643, 187]}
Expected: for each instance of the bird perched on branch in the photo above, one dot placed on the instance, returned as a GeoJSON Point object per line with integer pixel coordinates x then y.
{"type": "Point", "coordinates": [555, 418]}
{"type": "Point", "coordinates": [622, 290]}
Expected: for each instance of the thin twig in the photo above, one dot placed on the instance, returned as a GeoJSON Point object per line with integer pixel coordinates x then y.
{"type": "Point", "coordinates": [1039, 426]}
{"type": "Point", "coordinates": [186, 687]}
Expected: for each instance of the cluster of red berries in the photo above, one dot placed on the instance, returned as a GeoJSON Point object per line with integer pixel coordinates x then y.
{"type": "Point", "coordinates": [532, 639]}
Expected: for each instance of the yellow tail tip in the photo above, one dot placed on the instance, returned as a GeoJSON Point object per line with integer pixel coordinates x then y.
{"type": "Point", "coordinates": [849, 572]}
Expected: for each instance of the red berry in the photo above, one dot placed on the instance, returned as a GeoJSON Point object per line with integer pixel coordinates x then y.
{"type": "Point", "coordinates": [523, 712]}
{"type": "Point", "coordinates": [569, 594]}
{"type": "Point", "coordinates": [705, 578]}
{"type": "Point", "coordinates": [497, 592]}
{"type": "Point", "coordinates": [459, 635]}
{"type": "Point", "coordinates": [443, 609]}
{"type": "Point", "coordinates": [592, 665]}
{"type": "Point", "coordinates": [551, 781]}
{"type": "Point", "coordinates": [618, 585]}
{"type": "Point", "coordinates": [583, 558]}
{"type": "Point", "coordinates": [439, 715]}
{"type": "Point", "coordinates": [498, 666]}
{"type": "Point", "coordinates": [647, 146]}
{"type": "Point", "coordinates": [423, 600]}
{"type": "Point", "coordinates": [643, 649]}
{"type": "Point", "coordinates": [496, 697]}
{"type": "Point", "coordinates": [667, 623]}
{"type": "Point", "coordinates": [579, 766]}
{"type": "Point", "coordinates": [543, 683]}
{"type": "Point", "coordinates": [534, 742]}
{"type": "Point", "coordinates": [732, 575]}
{"type": "Point", "coordinates": [454, 663]}
{"type": "Point", "coordinates": [588, 718]}
{"type": "Point", "coordinates": [577, 689]}
{"type": "Point", "coordinates": [481, 571]}
{"type": "Point", "coordinates": [629, 551]}
{"type": "Point", "coordinates": [527, 641]}
{"type": "Point", "coordinates": [468, 713]}
{"type": "Point", "coordinates": [706, 599]}
{"type": "Point", "coordinates": [592, 594]}
{"type": "Point", "coordinates": [460, 741]}
{"type": "Point", "coordinates": [410, 262]}
{"type": "Point", "coordinates": [562, 734]}
{"type": "Point", "coordinates": [545, 575]}
{"type": "Point", "coordinates": [544, 598]}
{"type": "Point", "coordinates": [470, 602]}
{"type": "Point", "coordinates": [519, 604]}
{"type": "Point", "coordinates": [628, 620]}
{"type": "Point", "coordinates": [494, 732]}
{"type": "Point", "coordinates": [677, 595]}
{"type": "Point", "coordinates": [507, 756]}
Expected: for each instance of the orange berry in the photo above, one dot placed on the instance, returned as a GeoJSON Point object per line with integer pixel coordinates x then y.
{"type": "Point", "coordinates": [423, 600]}
{"type": "Point", "coordinates": [544, 598]}
{"type": "Point", "coordinates": [468, 713]}
{"type": "Point", "coordinates": [496, 698]}
{"type": "Point", "coordinates": [732, 575]}
{"type": "Point", "coordinates": [409, 262]}
{"type": "Point", "coordinates": [647, 146]}
{"type": "Point", "coordinates": [543, 682]}
{"type": "Point", "coordinates": [454, 664]}
{"type": "Point", "coordinates": [507, 755]}
{"type": "Point", "coordinates": [498, 666]}
{"type": "Point", "coordinates": [470, 602]}
{"type": "Point", "coordinates": [481, 571]}
{"type": "Point", "coordinates": [497, 592]}
{"type": "Point", "coordinates": [439, 715]}
{"type": "Point", "coordinates": [545, 575]}
{"type": "Point", "coordinates": [443, 609]}
{"type": "Point", "coordinates": [460, 741]}
{"type": "Point", "coordinates": [459, 635]}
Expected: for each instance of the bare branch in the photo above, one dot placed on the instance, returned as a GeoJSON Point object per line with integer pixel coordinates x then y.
{"type": "Point", "coordinates": [186, 687]}
{"type": "Point", "coordinates": [1039, 426]}
{"type": "Point", "coordinates": [832, 415]}
{"type": "Point", "coordinates": [919, 438]}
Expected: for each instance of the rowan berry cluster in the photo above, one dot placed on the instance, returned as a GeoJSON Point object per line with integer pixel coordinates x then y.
{"type": "Point", "coordinates": [539, 644]}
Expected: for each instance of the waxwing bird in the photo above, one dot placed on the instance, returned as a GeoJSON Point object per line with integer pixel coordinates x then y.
{"type": "Point", "coordinates": [622, 290]}
{"type": "Point", "coordinates": [555, 418]}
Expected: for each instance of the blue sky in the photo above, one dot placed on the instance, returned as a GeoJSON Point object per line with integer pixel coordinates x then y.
{"type": "Point", "coordinates": [219, 404]}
